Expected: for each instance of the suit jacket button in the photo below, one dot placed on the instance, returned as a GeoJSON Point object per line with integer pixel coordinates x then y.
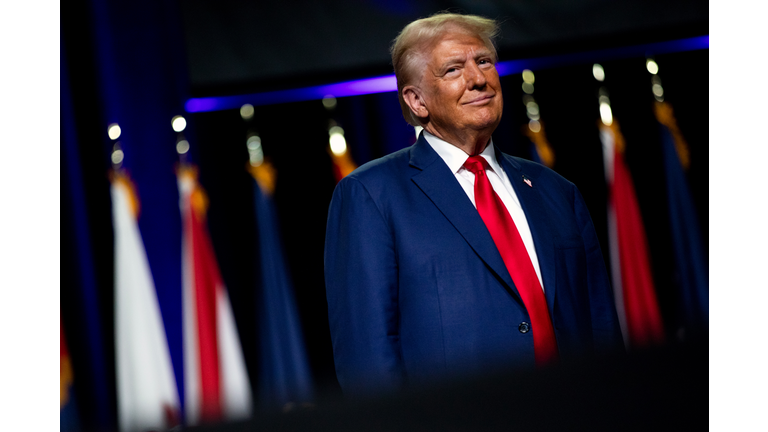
{"type": "Point", "coordinates": [524, 327]}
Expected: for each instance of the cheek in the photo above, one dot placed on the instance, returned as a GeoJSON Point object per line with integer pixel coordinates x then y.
{"type": "Point", "coordinates": [454, 91]}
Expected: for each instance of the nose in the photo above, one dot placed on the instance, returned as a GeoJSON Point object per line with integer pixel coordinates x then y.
{"type": "Point", "coordinates": [475, 77]}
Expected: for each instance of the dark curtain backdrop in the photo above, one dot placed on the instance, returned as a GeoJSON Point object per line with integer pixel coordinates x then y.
{"type": "Point", "coordinates": [236, 44]}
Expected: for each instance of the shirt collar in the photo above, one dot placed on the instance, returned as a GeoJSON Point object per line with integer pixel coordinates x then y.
{"type": "Point", "coordinates": [455, 157]}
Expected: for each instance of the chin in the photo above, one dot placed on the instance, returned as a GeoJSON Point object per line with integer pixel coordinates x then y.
{"type": "Point", "coordinates": [490, 121]}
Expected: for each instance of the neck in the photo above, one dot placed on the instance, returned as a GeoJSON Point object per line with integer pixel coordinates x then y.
{"type": "Point", "coordinates": [471, 142]}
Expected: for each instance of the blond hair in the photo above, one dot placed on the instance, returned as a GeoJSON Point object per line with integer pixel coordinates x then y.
{"type": "Point", "coordinates": [410, 47]}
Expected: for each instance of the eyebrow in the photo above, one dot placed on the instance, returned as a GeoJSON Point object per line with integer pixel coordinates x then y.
{"type": "Point", "coordinates": [485, 52]}
{"type": "Point", "coordinates": [455, 59]}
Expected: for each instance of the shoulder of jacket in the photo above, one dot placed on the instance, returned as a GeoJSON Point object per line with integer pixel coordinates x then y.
{"type": "Point", "coordinates": [384, 168]}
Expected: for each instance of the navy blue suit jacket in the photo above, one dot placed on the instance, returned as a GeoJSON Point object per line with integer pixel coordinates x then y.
{"type": "Point", "coordinates": [417, 289]}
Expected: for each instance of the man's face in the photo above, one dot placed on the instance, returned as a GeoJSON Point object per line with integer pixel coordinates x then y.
{"type": "Point", "coordinates": [461, 86]}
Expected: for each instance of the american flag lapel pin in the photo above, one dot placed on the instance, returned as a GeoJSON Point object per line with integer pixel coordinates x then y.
{"type": "Point", "coordinates": [527, 181]}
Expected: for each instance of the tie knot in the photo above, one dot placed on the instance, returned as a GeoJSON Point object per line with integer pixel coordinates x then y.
{"type": "Point", "coordinates": [476, 164]}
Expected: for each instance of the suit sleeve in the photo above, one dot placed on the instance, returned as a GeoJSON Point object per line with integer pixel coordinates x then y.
{"type": "Point", "coordinates": [606, 332]}
{"type": "Point", "coordinates": [362, 289]}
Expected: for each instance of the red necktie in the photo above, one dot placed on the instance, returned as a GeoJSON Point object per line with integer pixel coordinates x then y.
{"type": "Point", "coordinates": [516, 258]}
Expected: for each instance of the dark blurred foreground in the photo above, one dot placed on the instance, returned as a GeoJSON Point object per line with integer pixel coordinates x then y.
{"type": "Point", "coordinates": [665, 389]}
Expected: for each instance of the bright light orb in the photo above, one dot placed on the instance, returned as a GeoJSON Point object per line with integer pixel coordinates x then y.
{"type": "Point", "coordinates": [534, 126]}
{"type": "Point", "coordinates": [329, 102]}
{"type": "Point", "coordinates": [182, 147]}
{"type": "Point", "coordinates": [606, 115]}
{"type": "Point", "coordinates": [338, 144]}
{"type": "Point", "coordinates": [253, 142]}
{"type": "Point", "coordinates": [113, 131]}
{"type": "Point", "coordinates": [178, 123]}
{"type": "Point", "coordinates": [246, 111]}
{"type": "Point", "coordinates": [652, 66]}
{"type": "Point", "coordinates": [117, 156]}
{"type": "Point", "coordinates": [528, 88]}
{"type": "Point", "coordinates": [528, 76]}
{"type": "Point", "coordinates": [598, 72]}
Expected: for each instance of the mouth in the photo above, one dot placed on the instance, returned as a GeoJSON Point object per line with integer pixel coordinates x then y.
{"type": "Point", "coordinates": [482, 100]}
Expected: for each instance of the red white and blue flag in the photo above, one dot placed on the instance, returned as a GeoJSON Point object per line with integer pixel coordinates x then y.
{"type": "Point", "coordinates": [216, 383]}
{"type": "Point", "coordinates": [147, 397]}
{"type": "Point", "coordinates": [633, 287]}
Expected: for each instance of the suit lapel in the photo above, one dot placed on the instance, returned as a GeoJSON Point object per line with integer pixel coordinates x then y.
{"type": "Point", "coordinates": [533, 202]}
{"type": "Point", "coordinates": [439, 184]}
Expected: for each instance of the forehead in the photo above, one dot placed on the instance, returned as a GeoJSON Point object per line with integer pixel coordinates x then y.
{"type": "Point", "coordinates": [457, 44]}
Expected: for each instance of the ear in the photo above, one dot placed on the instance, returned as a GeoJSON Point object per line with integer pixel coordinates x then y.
{"type": "Point", "coordinates": [414, 98]}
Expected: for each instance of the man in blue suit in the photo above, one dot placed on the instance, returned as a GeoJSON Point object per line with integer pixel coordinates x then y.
{"type": "Point", "coordinates": [449, 257]}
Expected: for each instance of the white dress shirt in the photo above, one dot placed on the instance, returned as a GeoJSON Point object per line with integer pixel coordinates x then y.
{"type": "Point", "coordinates": [454, 157]}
